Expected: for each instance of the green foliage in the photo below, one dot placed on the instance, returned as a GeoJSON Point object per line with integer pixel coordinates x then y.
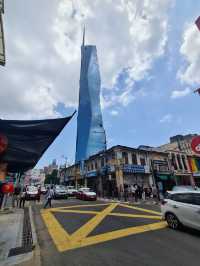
{"type": "Point", "coordinates": [52, 178]}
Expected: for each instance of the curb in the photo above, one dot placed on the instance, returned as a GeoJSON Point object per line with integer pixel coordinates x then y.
{"type": "Point", "coordinates": [35, 260]}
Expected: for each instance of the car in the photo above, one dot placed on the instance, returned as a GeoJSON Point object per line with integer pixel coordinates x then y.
{"type": "Point", "coordinates": [86, 194]}
{"type": "Point", "coordinates": [31, 193]}
{"type": "Point", "coordinates": [184, 188]}
{"type": "Point", "coordinates": [60, 192]}
{"type": "Point", "coordinates": [182, 208]}
{"type": "Point", "coordinates": [71, 191]}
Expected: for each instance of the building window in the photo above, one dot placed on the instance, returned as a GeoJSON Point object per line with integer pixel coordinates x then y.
{"type": "Point", "coordinates": [96, 165]}
{"type": "Point", "coordinates": [88, 167]}
{"type": "Point", "coordinates": [102, 162]}
{"type": "Point", "coordinates": [113, 156]}
{"type": "Point", "coordinates": [92, 167]}
{"type": "Point", "coordinates": [174, 161]}
{"type": "Point", "coordinates": [179, 161]}
{"type": "Point", "coordinates": [125, 157]}
{"type": "Point", "coordinates": [134, 158]}
{"type": "Point", "coordinates": [184, 163]}
{"type": "Point", "coordinates": [142, 161]}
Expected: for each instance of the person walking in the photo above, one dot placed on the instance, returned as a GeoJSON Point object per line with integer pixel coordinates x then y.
{"type": "Point", "coordinates": [49, 197]}
{"type": "Point", "coordinates": [16, 195]}
{"type": "Point", "coordinates": [22, 198]}
{"type": "Point", "coordinates": [39, 194]}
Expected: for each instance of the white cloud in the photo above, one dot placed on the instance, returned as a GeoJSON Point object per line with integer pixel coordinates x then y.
{"type": "Point", "coordinates": [191, 52]}
{"type": "Point", "coordinates": [43, 50]}
{"type": "Point", "coordinates": [166, 118]}
{"type": "Point", "coordinates": [180, 93]}
{"type": "Point", "coordinates": [114, 113]}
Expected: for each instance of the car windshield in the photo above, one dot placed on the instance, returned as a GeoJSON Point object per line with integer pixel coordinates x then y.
{"type": "Point", "coordinates": [183, 188]}
{"type": "Point", "coordinates": [60, 187]}
{"type": "Point", "coordinates": [85, 189]}
{"type": "Point", "coordinates": [32, 189]}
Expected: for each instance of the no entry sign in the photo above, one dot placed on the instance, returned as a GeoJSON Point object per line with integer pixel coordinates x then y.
{"type": "Point", "coordinates": [195, 144]}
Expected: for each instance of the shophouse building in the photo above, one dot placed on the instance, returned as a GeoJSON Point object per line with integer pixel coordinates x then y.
{"type": "Point", "coordinates": [108, 171]}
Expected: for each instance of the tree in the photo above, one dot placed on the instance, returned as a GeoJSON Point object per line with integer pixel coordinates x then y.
{"type": "Point", "coordinates": [52, 178]}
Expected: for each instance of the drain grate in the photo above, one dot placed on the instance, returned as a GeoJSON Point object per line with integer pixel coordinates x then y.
{"type": "Point", "coordinates": [27, 239]}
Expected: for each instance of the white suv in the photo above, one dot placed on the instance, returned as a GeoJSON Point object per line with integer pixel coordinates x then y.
{"type": "Point", "coordinates": [182, 208]}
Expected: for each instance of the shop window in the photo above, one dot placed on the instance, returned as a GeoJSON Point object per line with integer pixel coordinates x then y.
{"type": "Point", "coordinates": [179, 161]}
{"type": "Point", "coordinates": [142, 161]}
{"type": "Point", "coordinates": [174, 162]}
{"type": "Point", "coordinates": [184, 162]}
{"type": "Point", "coordinates": [125, 157]}
{"type": "Point", "coordinates": [134, 158]}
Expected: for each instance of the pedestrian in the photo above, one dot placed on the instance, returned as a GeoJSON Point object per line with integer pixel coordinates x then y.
{"type": "Point", "coordinates": [136, 192]}
{"type": "Point", "coordinates": [39, 194]}
{"type": "Point", "coordinates": [125, 192]}
{"type": "Point", "coordinates": [22, 198]}
{"type": "Point", "coordinates": [16, 196]}
{"type": "Point", "coordinates": [49, 197]}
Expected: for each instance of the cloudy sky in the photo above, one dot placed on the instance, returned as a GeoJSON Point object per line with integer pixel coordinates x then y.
{"type": "Point", "coordinates": [149, 56]}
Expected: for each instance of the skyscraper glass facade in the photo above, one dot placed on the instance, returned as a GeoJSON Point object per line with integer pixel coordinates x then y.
{"type": "Point", "coordinates": [91, 137]}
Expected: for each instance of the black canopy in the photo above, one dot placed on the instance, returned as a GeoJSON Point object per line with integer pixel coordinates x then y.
{"type": "Point", "coordinates": [28, 140]}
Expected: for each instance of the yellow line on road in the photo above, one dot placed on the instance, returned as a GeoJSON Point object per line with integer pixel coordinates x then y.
{"type": "Point", "coordinates": [121, 233]}
{"type": "Point", "coordinates": [136, 216]}
{"type": "Point", "coordinates": [60, 237]}
{"type": "Point", "coordinates": [77, 211]}
{"type": "Point", "coordinates": [91, 224]}
{"type": "Point", "coordinates": [78, 206]}
{"type": "Point", "coordinates": [139, 209]}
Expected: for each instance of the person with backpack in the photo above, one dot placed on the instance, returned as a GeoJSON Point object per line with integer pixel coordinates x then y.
{"type": "Point", "coordinates": [49, 196]}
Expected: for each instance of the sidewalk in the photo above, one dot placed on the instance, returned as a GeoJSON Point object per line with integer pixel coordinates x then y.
{"type": "Point", "coordinates": [16, 233]}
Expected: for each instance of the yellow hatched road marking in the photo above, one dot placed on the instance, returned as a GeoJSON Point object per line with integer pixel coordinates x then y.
{"type": "Point", "coordinates": [77, 211]}
{"type": "Point", "coordinates": [78, 206]}
{"type": "Point", "coordinates": [91, 224]}
{"type": "Point", "coordinates": [154, 217]}
{"type": "Point", "coordinates": [60, 237]}
{"type": "Point", "coordinates": [79, 238]}
{"type": "Point", "coordinates": [139, 209]}
{"type": "Point", "coordinates": [121, 233]}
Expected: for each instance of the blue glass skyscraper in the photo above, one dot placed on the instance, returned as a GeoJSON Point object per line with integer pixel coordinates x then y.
{"type": "Point", "coordinates": [91, 137]}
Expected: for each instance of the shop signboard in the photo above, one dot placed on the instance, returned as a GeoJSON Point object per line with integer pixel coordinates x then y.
{"type": "Point", "coordinates": [132, 168]}
{"type": "Point", "coordinates": [92, 173]}
{"type": "Point", "coordinates": [108, 168]}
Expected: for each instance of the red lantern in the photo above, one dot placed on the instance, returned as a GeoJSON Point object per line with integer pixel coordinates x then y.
{"type": "Point", "coordinates": [195, 144]}
{"type": "Point", "coordinates": [7, 188]}
{"type": "Point", "coordinates": [3, 143]}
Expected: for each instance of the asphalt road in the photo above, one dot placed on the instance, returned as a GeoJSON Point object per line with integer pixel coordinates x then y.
{"type": "Point", "coordinates": [70, 234]}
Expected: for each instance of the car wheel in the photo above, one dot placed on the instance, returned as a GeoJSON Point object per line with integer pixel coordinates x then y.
{"type": "Point", "coordinates": [172, 221]}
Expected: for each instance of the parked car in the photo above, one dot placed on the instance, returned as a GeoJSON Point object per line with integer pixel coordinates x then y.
{"type": "Point", "coordinates": [31, 193]}
{"type": "Point", "coordinates": [184, 188]}
{"type": "Point", "coordinates": [86, 194]}
{"type": "Point", "coordinates": [60, 192]}
{"type": "Point", "coordinates": [71, 191]}
{"type": "Point", "coordinates": [182, 208]}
